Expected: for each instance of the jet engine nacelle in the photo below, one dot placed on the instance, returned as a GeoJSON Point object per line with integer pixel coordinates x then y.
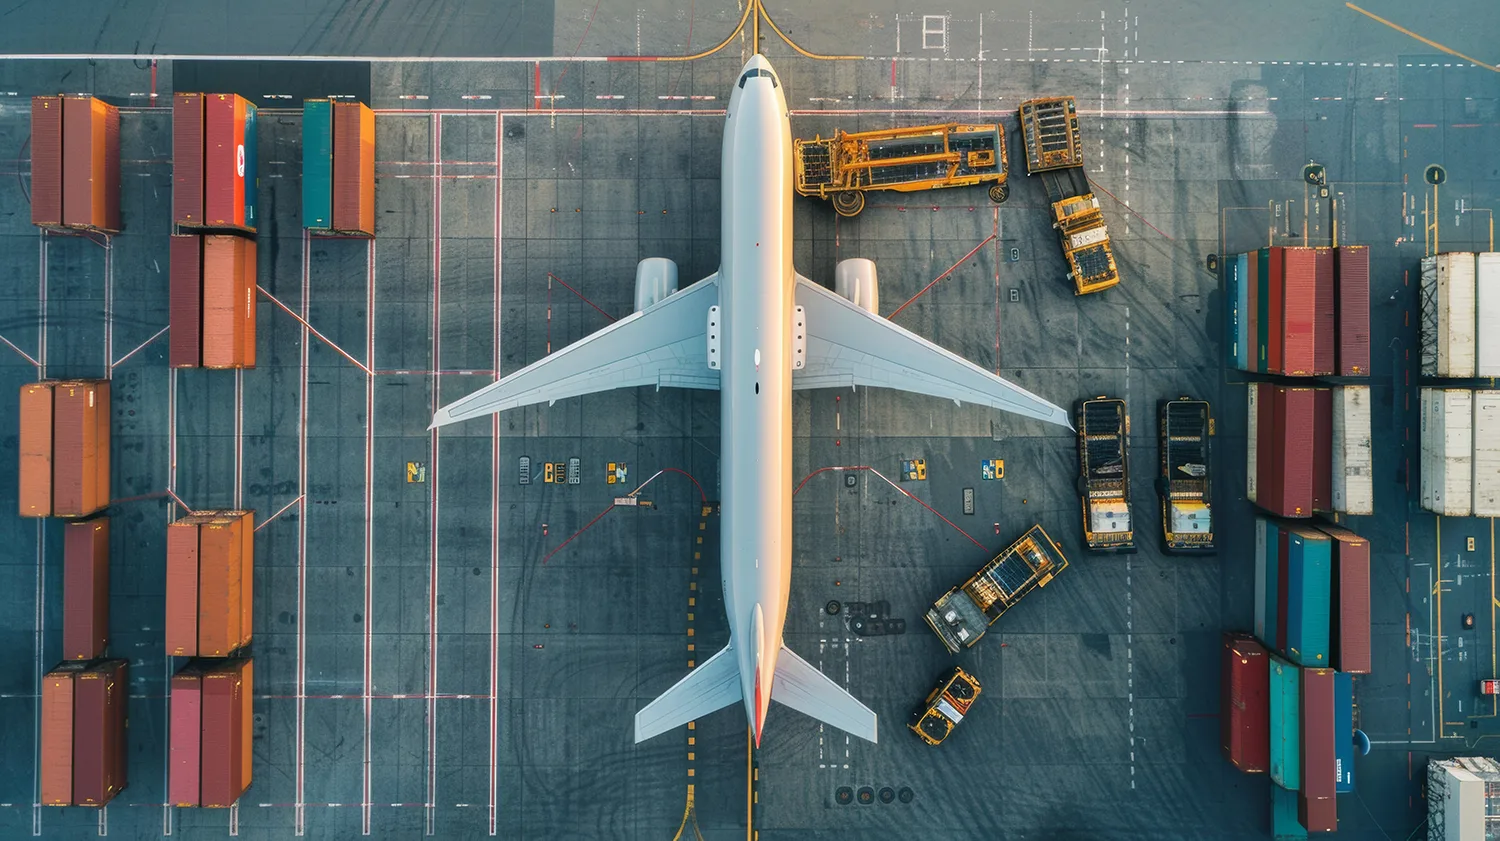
{"type": "Point", "coordinates": [855, 279]}
{"type": "Point", "coordinates": [655, 279]}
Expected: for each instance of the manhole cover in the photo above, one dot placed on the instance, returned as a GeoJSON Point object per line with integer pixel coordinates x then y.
{"type": "Point", "coordinates": [833, 608]}
{"type": "Point", "coordinates": [844, 795]}
{"type": "Point", "coordinates": [866, 795]}
{"type": "Point", "coordinates": [906, 795]}
{"type": "Point", "coordinates": [887, 794]}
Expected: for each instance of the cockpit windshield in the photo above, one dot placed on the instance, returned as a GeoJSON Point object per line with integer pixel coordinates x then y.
{"type": "Point", "coordinates": [758, 71]}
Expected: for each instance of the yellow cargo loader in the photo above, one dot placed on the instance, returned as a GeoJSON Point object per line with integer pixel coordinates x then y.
{"type": "Point", "coordinates": [843, 167]}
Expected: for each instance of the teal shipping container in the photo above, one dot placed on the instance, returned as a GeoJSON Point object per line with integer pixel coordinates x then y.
{"type": "Point", "coordinates": [1232, 281]}
{"type": "Point", "coordinates": [1309, 608]}
{"type": "Point", "coordinates": [1267, 582]}
{"type": "Point", "coordinates": [1262, 309]}
{"type": "Point", "coordinates": [1242, 312]}
{"type": "Point", "coordinates": [1284, 823]}
{"type": "Point", "coordinates": [1343, 730]}
{"type": "Point", "coordinates": [1286, 726]}
{"type": "Point", "coordinates": [252, 169]}
{"type": "Point", "coordinates": [317, 163]}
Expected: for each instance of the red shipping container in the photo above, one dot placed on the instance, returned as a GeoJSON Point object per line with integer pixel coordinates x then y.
{"type": "Point", "coordinates": [91, 157]}
{"type": "Point", "coordinates": [112, 169]}
{"type": "Point", "coordinates": [1316, 807]}
{"type": "Point", "coordinates": [224, 160]}
{"type": "Point", "coordinates": [1352, 282]}
{"type": "Point", "coordinates": [186, 295]}
{"type": "Point", "coordinates": [220, 544]}
{"type": "Point", "coordinates": [1275, 300]}
{"type": "Point", "coordinates": [224, 731]}
{"type": "Point", "coordinates": [1244, 720]}
{"type": "Point", "coordinates": [1325, 321]}
{"type": "Point", "coordinates": [187, 158]}
{"type": "Point", "coordinates": [353, 168]}
{"type": "Point", "coordinates": [182, 586]}
{"type": "Point", "coordinates": [98, 733]}
{"type": "Point", "coordinates": [1322, 466]}
{"type": "Point", "coordinates": [186, 737]}
{"type": "Point", "coordinates": [1350, 642]}
{"type": "Point", "coordinates": [85, 589]}
{"type": "Point", "coordinates": [46, 160]}
{"type": "Point", "coordinates": [224, 264]}
{"type": "Point", "coordinates": [1299, 302]}
{"type": "Point", "coordinates": [1265, 416]}
{"type": "Point", "coordinates": [1285, 485]}
{"type": "Point", "coordinates": [35, 446]}
{"type": "Point", "coordinates": [56, 748]}
{"type": "Point", "coordinates": [80, 454]}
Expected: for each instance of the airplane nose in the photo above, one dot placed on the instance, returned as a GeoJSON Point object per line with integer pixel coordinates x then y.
{"type": "Point", "coordinates": [757, 62]}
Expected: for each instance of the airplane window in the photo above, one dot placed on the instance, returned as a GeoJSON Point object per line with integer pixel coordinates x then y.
{"type": "Point", "coordinates": [750, 74]}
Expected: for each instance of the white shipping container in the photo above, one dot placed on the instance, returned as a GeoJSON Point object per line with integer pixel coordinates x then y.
{"type": "Point", "coordinates": [1353, 474]}
{"type": "Point", "coordinates": [1260, 578]}
{"type": "Point", "coordinates": [1250, 442]}
{"type": "Point", "coordinates": [1487, 305]}
{"type": "Point", "coordinates": [1448, 319]}
{"type": "Point", "coordinates": [1487, 453]}
{"type": "Point", "coordinates": [1424, 468]}
{"type": "Point", "coordinates": [1448, 452]}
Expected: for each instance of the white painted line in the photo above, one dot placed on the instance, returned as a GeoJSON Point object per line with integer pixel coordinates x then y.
{"type": "Point", "coordinates": [494, 789]}
{"type": "Point", "coordinates": [430, 806]}
{"type": "Point", "coordinates": [369, 582]}
{"type": "Point", "coordinates": [299, 820]}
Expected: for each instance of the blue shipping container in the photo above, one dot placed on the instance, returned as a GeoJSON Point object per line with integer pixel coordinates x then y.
{"type": "Point", "coordinates": [1242, 337]}
{"type": "Point", "coordinates": [1286, 724]}
{"type": "Point", "coordinates": [1267, 572]}
{"type": "Point", "coordinates": [1232, 311]}
{"type": "Point", "coordinates": [1309, 597]}
{"type": "Point", "coordinates": [1284, 823]}
{"type": "Point", "coordinates": [317, 163]}
{"type": "Point", "coordinates": [1343, 730]}
{"type": "Point", "coordinates": [252, 182]}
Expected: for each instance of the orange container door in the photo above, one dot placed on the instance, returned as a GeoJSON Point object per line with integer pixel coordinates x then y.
{"type": "Point", "coordinates": [57, 740]}
{"type": "Point", "coordinates": [35, 447]}
{"type": "Point", "coordinates": [182, 587]}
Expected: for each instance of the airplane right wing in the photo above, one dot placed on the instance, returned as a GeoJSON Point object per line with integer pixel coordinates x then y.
{"type": "Point", "coordinates": [849, 346]}
{"type": "Point", "coordinates": [663, 345]}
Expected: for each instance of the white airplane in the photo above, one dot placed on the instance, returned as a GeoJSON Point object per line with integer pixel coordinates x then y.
{"type": "Point", "coordinates": [755, 330]}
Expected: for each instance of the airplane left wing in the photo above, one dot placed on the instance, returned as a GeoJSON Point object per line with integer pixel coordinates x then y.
{"type": "Point", "coordinates": [662, 345]}
{"type": "Point", "coordinates": [849, 346]}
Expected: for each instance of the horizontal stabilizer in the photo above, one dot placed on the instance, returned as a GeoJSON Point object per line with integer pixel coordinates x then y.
{"type": "Point", "coordinates": [812, 693]}
{"type": "Point", "coordinates": [713, 685]}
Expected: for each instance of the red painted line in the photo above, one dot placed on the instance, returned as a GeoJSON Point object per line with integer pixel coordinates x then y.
{"type": "Point", "coordinates": [285, 508]}
{"type": "Point", "coordinates": [576, 533]}
{"type": "Point", "coordinates": [936, 280]}
{"type": "Point", "coordinates": [1096, 186]}
{"type": "Point", "coordinates": [581, 296]}
{"type": "Point", "coordinates": [536, 85]}
{"type": "Point", "coordinates": [432, 582]}
{"type": "Point", "coordinates": [177, 499]}
{"type": "Point", "coordinates": [632, 58]}
{"type": "Point", "coordinates": [904, 491]}
{"type": "Point", "coordinates": [299, 821]}
{"type": "Point", "coordinates": [494, 790]}
{"type": "Point", "coordinates": [121, 360]}
{"type": "Point", "coordinates": [893, 72]}
{"type": "Point", "coordinates": [369, 582]}
{"type": "Point", "coordinates": [1424, 125]}
{"type": "Point", "coordinates": [995, 236]}
{"type": "Point", "coordinates": [702, 497]}
{"type": "Point", "coordinates": [309, 328]}
{"type": "Point", "coordinates": [24, 355]}
{"type": "Point", "coordinates": [1467, 125]}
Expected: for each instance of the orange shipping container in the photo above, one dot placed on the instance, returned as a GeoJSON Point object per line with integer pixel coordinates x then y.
{"type": "Point", "coordinates": [247, 574]}
{"type": "Point", "coordinates": [247, 720]}
{"type": "Point", "coordinates": [247, 307]}
{"type": "Point", "coordinates": [228, 297]}
{"type": "Point", "coordinates": [35, 447]}
{"type": "Point", "coordinates": [46, 160]}
{"type": "Point", "coordinates": [353, 168]}
{"type": "Point", "coordinates": [182, 586]}
{"type": "Point", "coordinates": [80, 466]}
{"type": "Point", "coordinates": [56, 749]}
{"type": "Point", "coordinates": [220, 545]}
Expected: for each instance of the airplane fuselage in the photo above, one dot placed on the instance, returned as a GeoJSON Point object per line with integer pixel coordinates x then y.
{"type": "Point", "coordinates": [757, 283]}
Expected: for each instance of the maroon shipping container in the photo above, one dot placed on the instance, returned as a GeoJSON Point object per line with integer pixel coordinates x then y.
{"type": "Point", "coordinates": [223, 735]}
{"type": "Point", "coordinates": [1325, 321]}
{"type": "Point", "coordinates": [1285, 456]}
{"type": "Point", "coordinates": [186, 295]}
{"type": "Point", "coordinates": [1322, 466]}
{"type": "Point", "coordinates": [90, 164]}
{"type": "Point", "coordinates": [186, 737]}
{"type": "Point", "coordinates": [1244, 718]}
{"type": "Point", "coordinates": [99, 733]}
{"type": "Point", "coordinates": [1352, 288]}
{"type": "Point", "coordinates": [1316, 807]}
{"type": "Point", "coordinates": [78, 448]}
{"type": "Point", "coordinates": [1275, 305]}
{"type": "Point", "coordinates": [1299, 304]}
{"type": "Point", "coordinates": [1350, 641]}
{"type": "Point", "coordinates": [46, 160]}
{"type": "Point", "coordinates": [85, 589]}
{"type": "Point", "coordinates": [1265, 417]}
{"type": "Point", "coordinates": [187, 159]}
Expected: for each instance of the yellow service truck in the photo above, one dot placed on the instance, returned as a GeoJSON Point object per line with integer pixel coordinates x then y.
{"type": "Point", "coordinates": [843, 167]}
{"type": "Point", "coordinates": [1054, 152]}
{"type": "Point", "coordinates": [1186, 495]}
{"type": "Point", "coordinates": [1104, 474]}
{"type": "Point", "coordinates": [964, 613]}
{"type": "Point", "coordinates": [945, 707]}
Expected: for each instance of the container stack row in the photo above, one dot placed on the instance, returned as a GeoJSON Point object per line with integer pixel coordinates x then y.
{"type": "Point", "coordinates": [1312, 594]}
{"type": "Point", "coordinates": [1461, 315]}
{"type": "Point", "coordinates": [213, 285]}
{"type": "Point", "coordinates": [82, 739]}
{"type": "Point", "coordinates": [1309, 450]}
{"type": "Point", "coordinates": [210, 733]}
{"type": "Point", "coordinates": [75, 164]}
{"type": "Point", "coordinates": [213, 162]}
{"type": "Point", "coordinates": [1460, 460]}
{"type": "Point", "coordinates": [338, 167]}
{"type": "Point", "coordinates": [210, 564]}
{"type": "Point", "coordinates": [1300, 312]}
{"type": "Point", "coordinates": [64, 448]}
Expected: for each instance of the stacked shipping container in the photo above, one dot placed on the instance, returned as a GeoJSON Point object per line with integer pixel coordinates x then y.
{"type": "Point", "coordinates": [85, 589]}
{"type": "Point", "coordinates": [1316, 807]}
{"type": "Point", "coordinates": [1487, 310]}
{"type": "Point", "coordinates": [1286, 724]}
{"type": "Point", "coordinates": [213, 286]}
{"type": "Point", "coordinates": [64, 448]}
{"type": "Point", "coordinates": [1343, 731]}
{"type": "Point", "coordinates": [1349, 641]}
{"type": "Point", "coordinates": [75, 163]}
{"type": "Point", "coordinates": [210, 733]}
{"type": "Point", "coordinates": [1486, 482]}
{"type": "Point", "coordinates": [1308, 449]}
{"type": "Point", "coordinates": [1352, 309]}
{"type": "Point", "coordinates": [1352, 466]}
{"type": "Point", "coordinates": [1299, 312]}
{"type": "Point", "coordinates": [1245, 697]}
{"type": "Point", "coordinates": [82, 740]}
{"type": "Point", "coordinates": [338, 167]}
{"type": "Point", "coordinates": [1448, 317]}
{"type": "Point", "coordinates": [210, 583]}
{"type": "Point", "coordinates": [1285, 825]}
{"type": "Point", "coordinates": [1308, 596]}
{"type": "Point", "coordinates": [1312, 594]}
{"type": "Point", "coordinates": [1447, 468]}
{"type": "Point", "coordinates": [213, 162]}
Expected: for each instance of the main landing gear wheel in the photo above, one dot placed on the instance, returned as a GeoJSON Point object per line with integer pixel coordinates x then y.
{"type": "Point", "coordinates": [999, 193]}
{"type": "Point", "coordinates": [848, 203]}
